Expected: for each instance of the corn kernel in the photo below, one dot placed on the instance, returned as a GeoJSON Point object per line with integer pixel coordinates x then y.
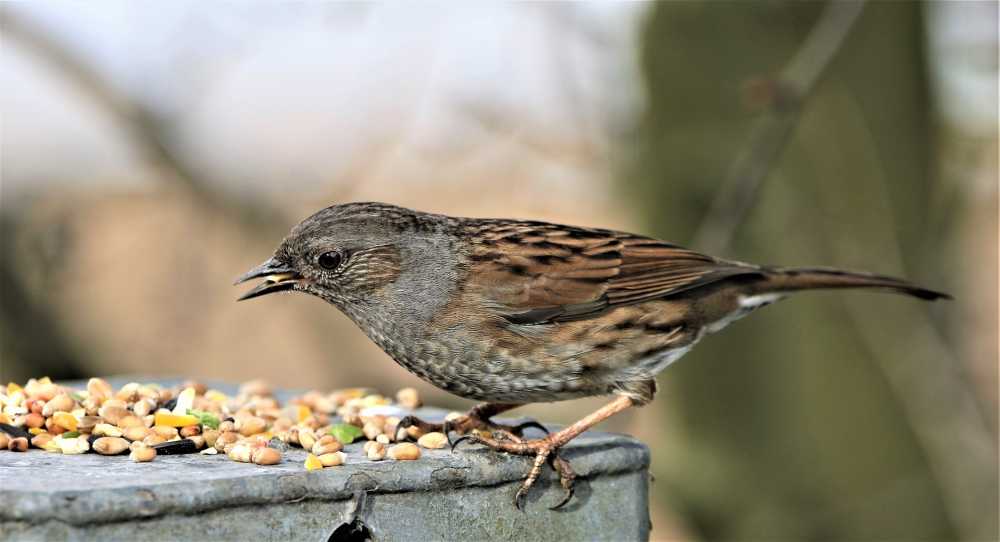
{"type": "Point", "coordinates": [313, 463]}
{"type": "Point", "coordinates": [65, 420]}
{"type": "Point", "coordinates": [174, 420]}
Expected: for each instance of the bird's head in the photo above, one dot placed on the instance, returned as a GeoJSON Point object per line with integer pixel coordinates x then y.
{"type": "Point", "coordinates": [345, 254]}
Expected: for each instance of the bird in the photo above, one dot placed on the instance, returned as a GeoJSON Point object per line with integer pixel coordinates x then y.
{"type": "Point", "coordinates": [510, 312]}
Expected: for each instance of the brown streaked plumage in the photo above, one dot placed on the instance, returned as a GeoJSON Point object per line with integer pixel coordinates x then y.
{"type": "Point", "coordinates": [512, 312]}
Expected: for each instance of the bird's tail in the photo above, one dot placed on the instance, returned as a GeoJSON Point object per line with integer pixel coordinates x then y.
{"type": "Point", "coordinates": [779, 279]}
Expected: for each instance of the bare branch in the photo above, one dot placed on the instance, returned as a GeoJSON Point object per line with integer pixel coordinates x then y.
{"type": "Point", "coordinates": [771, 133]}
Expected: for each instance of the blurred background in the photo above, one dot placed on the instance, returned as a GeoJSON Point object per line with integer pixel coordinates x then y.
{"type": "Point", "coordinates": [152, 152]}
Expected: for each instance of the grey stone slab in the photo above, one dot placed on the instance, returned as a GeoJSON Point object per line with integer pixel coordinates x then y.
{"type": "Point", "coordinates": [445, 495]}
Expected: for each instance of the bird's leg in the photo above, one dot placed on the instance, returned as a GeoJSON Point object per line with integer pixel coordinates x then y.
{"type": "Point", "coordinates": [547, 448]}
{"type": "Point", "coordinates": [477, 419]}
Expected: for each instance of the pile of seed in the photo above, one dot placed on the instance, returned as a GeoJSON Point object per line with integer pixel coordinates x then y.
{"type": "Point", "coordinates": [146, 420]}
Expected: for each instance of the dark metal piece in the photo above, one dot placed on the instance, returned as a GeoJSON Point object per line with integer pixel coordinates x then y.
{"type": "Point", "coordinates": [176, 447]}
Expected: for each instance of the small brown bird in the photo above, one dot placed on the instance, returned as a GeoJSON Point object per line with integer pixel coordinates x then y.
{"type": "Point", "coordinates": [512, 312]}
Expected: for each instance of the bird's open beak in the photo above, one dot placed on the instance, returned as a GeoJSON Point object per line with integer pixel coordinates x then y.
{"type": "Point", "coordinates": [277, 276]}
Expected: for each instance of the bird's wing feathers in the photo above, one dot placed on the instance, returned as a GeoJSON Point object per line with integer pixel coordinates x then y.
{"type": "Point", "coordinates": [537, 273]}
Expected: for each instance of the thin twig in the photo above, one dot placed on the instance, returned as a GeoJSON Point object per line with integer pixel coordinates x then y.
{"type": "Point", "coordinates": [770, 135]}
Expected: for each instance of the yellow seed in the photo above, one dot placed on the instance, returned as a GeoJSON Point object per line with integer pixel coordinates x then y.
{"type": "Point", "coordinates": [143, 407]}
{"type": "Point", "coordinates": [372, 430]}
{"type": "Point", "coordinates": [130, 421]}
{"type": "Point", "coordinates": [36, 430]}
{"type": "Point", "coordinates": [225, 439]}
{"type": "Point", "coordinates": [404, 452]}
{"type": "Point", "coordinates": [313, 463]}
{"type": "Point", "coordinates": [164, 431]}
{"type": "Point", "coordinates": [240, 452]}
{"type": "Point", "coordinates": [33, 420]}
{"type": "Point", "coordinates": [12, 388]}
{"type": "Point", "coordinates": [39, 440]}
{"type": "Point", "coordinates": [129, 392]}
{"type": "Point", "coordinates": [18, 444]}
{"type": "Point", "coordinates": [266, 456]}
{"type": "Point", "coordinates": [110, 445]}
{"type": "Point", "coordinates": [134, 433]}
{"type": "Point", "coordinates": [72, 446]}
{"type": "Point", "coordinates": [216, 396]}
{"type": "Point", "coordinates": [112, 413]}
{"type": "Point", "coordinates": [408, 398]}
{"type": "Point", "coordinates": [142, 454]}
{"type": "Point", "coordinates": [211, 435]}
{"type": "Point", "coordinates": [307, 439]}
{"type": "Point", "coordinates": [374, 450]}
{"type": "Point", "coordinates": [65, 420]}
{"type": "Point", "coordinates": [86, 424]}
{"type": "Point", "coordinates": [327, 445]}
{"type": "Point", "coordinates": [153, 439]}
{"type": "Point", "coordinates": [333, 459]}
{"type": "Point", "coordinates": [433, 441]}
{"type": "Point", "coordinates": [59, 403]}
{"type": "Point", "coordinates": [302, 412]}
{"type": "Point", "coordinates": [108, 430]}
{"type": "Point", "coordinates": [174, 419]}
{"type": "Point", "coordinates": [150, 391]}
{"type": "Point", "coordinates": [251, 426]}
{"type": "Point", "coordinates": [98, 389]}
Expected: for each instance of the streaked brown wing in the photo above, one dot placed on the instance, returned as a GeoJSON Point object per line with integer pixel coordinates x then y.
{"type": "Point", "coordinates": [537, 273]}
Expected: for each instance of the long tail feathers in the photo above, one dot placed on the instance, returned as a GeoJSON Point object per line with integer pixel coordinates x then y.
{"type": "Point", "coordinates": [790, 279]}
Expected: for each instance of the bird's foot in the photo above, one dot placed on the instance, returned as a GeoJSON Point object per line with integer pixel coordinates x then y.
{"type": "Point", "coordinates": [544, 449]}
{"type": "Point", "coordinates": [476, 421]}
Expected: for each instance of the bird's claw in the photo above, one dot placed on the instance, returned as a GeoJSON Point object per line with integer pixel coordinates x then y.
{"type": "Point", "coordinates": [544, 451]}
{"type": "Point", "coordinates": [463, 438]}
{"type": "Point", "coordinates": [519, 428]}
{"type": "Point", "coordinates": [567, 479]}
{"type": "Point", "coordinates": [505, 438]}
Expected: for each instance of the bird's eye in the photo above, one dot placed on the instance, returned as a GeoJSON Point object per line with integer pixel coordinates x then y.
{"type": "Point", "coordinates": [330, 260]}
